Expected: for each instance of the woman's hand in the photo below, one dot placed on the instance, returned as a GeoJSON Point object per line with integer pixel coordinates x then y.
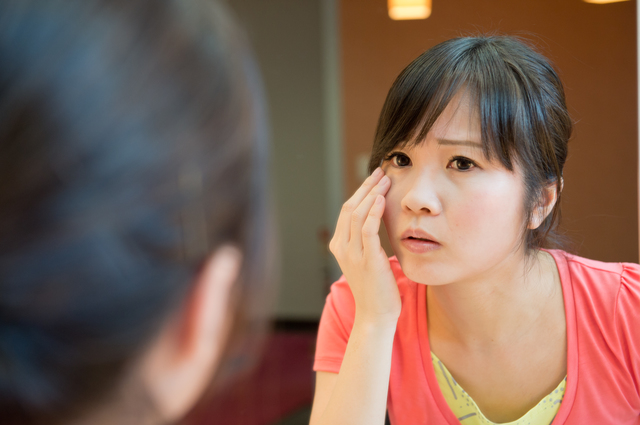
{"type": "Point", "coordinates": [356, 246]}
{"type": "Point", "coordinates": [358, 394]}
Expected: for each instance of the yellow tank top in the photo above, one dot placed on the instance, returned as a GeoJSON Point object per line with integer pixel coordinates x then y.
{"type": "Point", "coordinates": [468, 412]}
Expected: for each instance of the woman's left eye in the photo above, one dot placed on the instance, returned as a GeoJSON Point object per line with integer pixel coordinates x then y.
{"type": "Point", "coordinates": [461, 163]}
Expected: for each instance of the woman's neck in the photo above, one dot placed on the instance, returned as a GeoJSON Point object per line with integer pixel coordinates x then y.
{"type": "Point", "coordinates": [498, 309]}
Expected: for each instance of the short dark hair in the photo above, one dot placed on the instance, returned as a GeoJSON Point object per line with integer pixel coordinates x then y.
{"type": "Point", "coordinates": [521, 104]}
{"type": "Point", "coordinates": [132, 145]}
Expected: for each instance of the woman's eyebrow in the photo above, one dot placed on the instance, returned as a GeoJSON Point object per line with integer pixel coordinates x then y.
{"type": "Point", "coordinates": [459, 143]}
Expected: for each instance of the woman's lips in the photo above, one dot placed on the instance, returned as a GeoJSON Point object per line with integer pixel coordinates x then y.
{"type": "Point", "coordinates": [419, 246]}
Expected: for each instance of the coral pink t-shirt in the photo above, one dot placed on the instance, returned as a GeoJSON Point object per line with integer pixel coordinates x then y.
{"type": "Point", "coordinates": [602, 308]}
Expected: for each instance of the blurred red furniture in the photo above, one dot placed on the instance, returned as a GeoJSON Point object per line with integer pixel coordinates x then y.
{"type": "Point", "coordinates": [280, 385]}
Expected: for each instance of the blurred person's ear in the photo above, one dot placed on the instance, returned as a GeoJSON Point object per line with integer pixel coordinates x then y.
{"type": "Point", "coordinates": [182, 360]}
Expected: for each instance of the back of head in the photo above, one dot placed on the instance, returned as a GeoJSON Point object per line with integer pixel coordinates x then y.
{"type": "Point", "coordinates": [132, 144]}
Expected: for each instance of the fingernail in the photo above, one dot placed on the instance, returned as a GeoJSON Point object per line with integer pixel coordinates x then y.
{"type": "Point", "coordinates": [379, 199]}
{"type": "Point", "coordinates": [383, 181]}
{"type": "Point", "coordinates": [377, 172]}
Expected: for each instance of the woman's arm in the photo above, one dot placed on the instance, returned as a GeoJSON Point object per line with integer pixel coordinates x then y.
{"type": "Point", "coordinates": [358, 394]}
{"type": "Point", "coordinates": [325, 382]}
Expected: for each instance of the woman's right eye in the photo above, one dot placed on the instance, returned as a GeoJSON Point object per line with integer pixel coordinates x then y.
{"type": "Point", "coordinates": [399, 159]}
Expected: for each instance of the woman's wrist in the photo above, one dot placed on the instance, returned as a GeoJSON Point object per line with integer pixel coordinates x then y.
{"type": "Point", "coordinates": [377, 323]}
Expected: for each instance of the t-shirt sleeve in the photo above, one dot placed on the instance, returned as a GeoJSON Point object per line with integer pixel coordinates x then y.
{"type": "Point", "coordinates": [628, 318]}
{"type": "Point", "coordinates": [335, 327]}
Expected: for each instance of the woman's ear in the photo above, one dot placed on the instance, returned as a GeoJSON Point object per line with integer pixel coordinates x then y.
{"type": "Point", "coordinates": [180, 363]}
{"type": "Point", "coordinates": [549, 198]}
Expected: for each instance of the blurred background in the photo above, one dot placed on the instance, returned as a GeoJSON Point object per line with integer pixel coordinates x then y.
{"type": "Point", "coordinates": [327, 66]}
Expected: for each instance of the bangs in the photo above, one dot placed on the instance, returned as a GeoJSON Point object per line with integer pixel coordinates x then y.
{"type": "Point", "coordinates": [478, 67]}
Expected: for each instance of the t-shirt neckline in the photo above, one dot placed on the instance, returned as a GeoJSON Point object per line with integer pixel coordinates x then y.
{"type": "Point", "coordinates": [572, 345]}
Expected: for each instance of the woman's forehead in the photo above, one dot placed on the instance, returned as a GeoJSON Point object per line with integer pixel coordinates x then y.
{"type": "Point", "coordinates": [459, 123]}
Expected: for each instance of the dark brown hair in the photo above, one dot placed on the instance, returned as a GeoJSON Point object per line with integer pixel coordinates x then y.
{"type": "Point", "coordinates": [133, 144]}
{"type": "Point", "coordinates": [521, 104]}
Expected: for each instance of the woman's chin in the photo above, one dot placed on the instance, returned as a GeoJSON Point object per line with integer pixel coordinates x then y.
{"type": "Point", "coordinates": [420, 271]}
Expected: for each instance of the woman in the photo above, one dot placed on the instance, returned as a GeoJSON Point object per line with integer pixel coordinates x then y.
{"type": "Point", "coordinates": [133, 216]}
{"type": "Point", "coordinates": [475, 320]}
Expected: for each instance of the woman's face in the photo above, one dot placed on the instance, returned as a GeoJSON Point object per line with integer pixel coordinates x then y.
{"type": "Point", "coordinates": [451, 214]}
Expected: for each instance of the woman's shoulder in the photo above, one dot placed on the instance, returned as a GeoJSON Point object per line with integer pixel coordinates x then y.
{"type": "Point", "coordinates": [585, 271]}
{"type": "Point", "coordinates": [602, 289]}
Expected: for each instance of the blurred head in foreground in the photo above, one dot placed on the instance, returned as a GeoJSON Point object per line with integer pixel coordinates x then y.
{"type": "Point", "coordinates": [133, 212]}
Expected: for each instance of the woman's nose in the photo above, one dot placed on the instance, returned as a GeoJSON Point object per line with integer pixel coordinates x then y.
{"type": "Point", "coordinates": [421, 196]}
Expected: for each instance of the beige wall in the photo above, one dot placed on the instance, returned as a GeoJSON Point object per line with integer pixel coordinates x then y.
{"type": "Point", "coordinates": [594, 48]}
{"type": "Point", "coordinates": [286, 36]}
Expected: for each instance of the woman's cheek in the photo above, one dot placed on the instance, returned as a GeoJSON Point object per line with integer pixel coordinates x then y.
{"type": "Point", "coordinates": [393, 200]}
{"type": "Point", "coordinates": [392, 207]}
{"type": "Point", "coordinates": [470, 211]}
{"type": "Point", "coordinates": [486, 217]}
